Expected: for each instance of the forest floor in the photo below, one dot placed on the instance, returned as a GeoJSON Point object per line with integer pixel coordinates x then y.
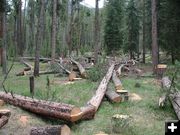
{"type": "Point", "coordinates": [147, 117]}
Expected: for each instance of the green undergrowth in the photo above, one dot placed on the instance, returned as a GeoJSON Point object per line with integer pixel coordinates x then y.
{"type": "Point", "coordinates": [147, 117]}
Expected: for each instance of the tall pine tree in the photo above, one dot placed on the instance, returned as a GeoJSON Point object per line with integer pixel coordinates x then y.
{"type": "Point", "coordinates": [114, 24]}
{"type": "Point", "coordinates": [132, 37]}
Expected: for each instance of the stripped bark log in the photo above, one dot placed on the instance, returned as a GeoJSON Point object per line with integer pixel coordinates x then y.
{"type": "Point", "coordinates": [116, 81]}
{"type": "Point", "coordinates": [81, 68]}
{"type": "Point", "coordinates": [100, 92]}
{"type": "Point", "coordinates": [51, 130]}
{"type": "Point", "coordinates": [67, 71]}
{"type": "Point", "coordinates": [27, 64]}
{"type": "Point", "coordinates": [113, 96]}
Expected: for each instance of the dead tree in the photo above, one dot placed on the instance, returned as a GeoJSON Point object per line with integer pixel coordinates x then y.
{"type": "Point", "coordinates": [100, 92]}
{"type": "Point", "coordinates": [61, 111]}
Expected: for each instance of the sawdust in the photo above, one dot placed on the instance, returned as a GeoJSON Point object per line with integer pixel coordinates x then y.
{"type": "Point", "coordinates": [24, 120]}
{"type": "Point", "coordinates": [134, 97]}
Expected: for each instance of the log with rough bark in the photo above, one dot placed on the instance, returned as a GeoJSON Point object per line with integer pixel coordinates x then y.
{"type": "Point", "coordinates": [66, 70]}
{"type": "Point", "coordinates": [100, 92]}
{"type": "Point", "coordinates": [81, 68]}
{"type": "Point", "coordinates": [61, 111]}
{"type": "Point", "coordinates": [113, 96]}
{"type": "Point", "coordinates": [116, 81]}
{"type": "Point", "coordinates": [173, 97]}
{"type": "Point", "coordinates": [51, 130]}
{"type": "Point", "coordinates": [3, 121]}
{"type": "Point", "coordinates": [4, 117]}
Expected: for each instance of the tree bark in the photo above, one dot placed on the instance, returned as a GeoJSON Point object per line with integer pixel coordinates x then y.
{"type": "Point", "coordinates": [154, 35]}
{"type": "Point", "coordinates": [100, 92]}
{"type": "Point", "coordinates": [39, 38]}
{"type": "Point", "coordinates": [3, 121]}
{"type": "Point", "coordinates": [96, 31]}
{"type": "Point", "coordinates": [31, 85]}
{"type": "Point", "coordinates": [50, 109]}
{"type": "Point", "coordinates": [61, 111]}
{"type": "Point", "coordinates": [81, 68]}
{"type": "Point", "coordinates": [144, 33]}
{"type": "Point", "coordinates": [19, 28]}
{"type": "Point", "coordinates": [116, 81]}
{"type": "Point", "coordinates": [54, 25]}
{"type": "Point", "coordinates": [4, 117]}
{"type": "Point", "coordinates": [51, 130]}
{"type": "Point", "coordinates": [113, 96]}
{"type": "Point", "coordinates": [4, 55]}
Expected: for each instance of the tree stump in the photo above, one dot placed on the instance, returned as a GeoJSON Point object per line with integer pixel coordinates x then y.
{"type": "Point", "coordinates": [161, 68]}
{"type": "Point", "coordinates": [120, 123]}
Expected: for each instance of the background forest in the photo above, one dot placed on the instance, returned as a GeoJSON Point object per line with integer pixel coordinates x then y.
{"type": "Point", "coordinates": [62, 28]}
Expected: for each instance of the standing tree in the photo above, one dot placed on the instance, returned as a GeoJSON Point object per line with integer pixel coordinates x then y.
{"type": "Point", "coordinates": [96, 31]}
{"type": "Point", "coordinates": [113, 27]}
{"type": "Point", "coordinates": [154, 35]}
{"type": "Point", "coordinates": [39, 38]}
{"type": "Point", "coordinates": [144, 32]}
{"type": "Point", "coordinates": [4, 35]}
{"type": "Point", "coordinates": [132, 40]}
{"type": "Point", "coordinates": [54, 25]}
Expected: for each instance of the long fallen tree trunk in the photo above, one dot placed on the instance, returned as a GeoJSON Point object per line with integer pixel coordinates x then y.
{"type": "Point", "coordinates": [61, 111]}
{"type": "Point", "coordinates": [100, 92]}
{"type": "Point", "coordinates": [51, 130]}
{"type": "Point", "coordinates": [81, 68]}
{"type": "Point", "coordinates": [174, 97]}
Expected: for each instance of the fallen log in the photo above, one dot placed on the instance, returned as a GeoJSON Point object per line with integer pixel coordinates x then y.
{"type": "Point", "coordinates": [113, 96]}
{"type": "Point", "coordinates": [51, 109]}
{"type": "Point", "coordinates": [116, 81]}
{"type": "Point", "coordinates": [4, 117]}
{"type": "Point", "coordinates": [173, 97]}
{"type": "Point", "coordinates": [119, 70]}
{"type": "Point", "coordinates": [67, 71]}
{"type": "Point", "coordinates": [3, 121]}
{"type": "Point", "coordinates": [81, 68]}
{"type": "Point", "coordinates": [51, 130]}
{"type": "Point", "coordinates": [41, 59]}
{"type": "Point", "coordinates": [100, 92]}
{"type": "Point", "coordinates": [61, 111]}
{"type": "Point", "coordinates": [27, 64]}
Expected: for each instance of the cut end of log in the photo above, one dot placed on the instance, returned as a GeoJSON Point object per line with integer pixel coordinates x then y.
{"type": "Point", "coordinates": [5, 112]}
{"type": "Point", "coordinates": [65, 130]}
{"type": "Point", "coordinates": [72, 76]}
{"type": "Point", "coordinates": [76, 114]}
{"type": "Point", "coordinates": [119, 87]}
{"type": "Point", "coordinates": [1, 102]}
{"type": "Point", "coordinates": [84, 75]}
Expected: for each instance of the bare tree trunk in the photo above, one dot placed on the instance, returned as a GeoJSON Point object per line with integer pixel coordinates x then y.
{"type": "Point", "coordinates": [154, 35]}
{"type": "Point", "coordinates": [54, 24]}
{"type": "Point", "coordinates": [39, 39]}
{"type": "Point", "coordinates": [19, 28]}
{"type": "Point", "coordinates": [96, 31]}
{"type": "Point", "coordinates": [4, 59]}
{"type": "Point", "coordinates": [144, 34]}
